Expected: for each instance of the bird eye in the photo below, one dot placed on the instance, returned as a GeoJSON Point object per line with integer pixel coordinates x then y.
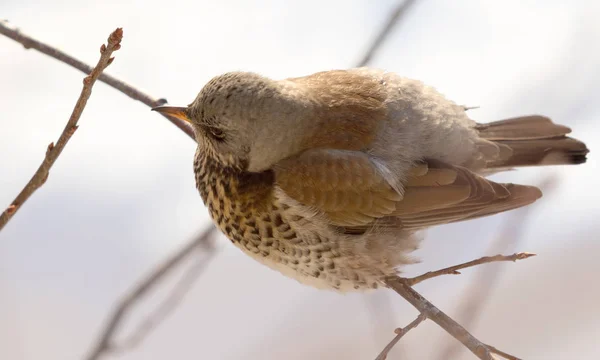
{"type": "Point", "coordinates": [217, 134]}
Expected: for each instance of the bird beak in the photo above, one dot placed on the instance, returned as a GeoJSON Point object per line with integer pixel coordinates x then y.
{"type": "Point", "coordinates": [175, 111]}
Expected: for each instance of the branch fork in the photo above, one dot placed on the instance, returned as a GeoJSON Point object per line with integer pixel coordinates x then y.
{"type": "Point", "coordinates": [403, 286]}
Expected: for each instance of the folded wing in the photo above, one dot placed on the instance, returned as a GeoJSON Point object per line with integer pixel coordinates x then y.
{"type": "Point", "coordinates": [353, 192]}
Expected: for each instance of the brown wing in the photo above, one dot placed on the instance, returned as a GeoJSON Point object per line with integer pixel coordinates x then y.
{"type": "Point", "coordinates": [426, 204]}
{"type": "Point", "coordinates": [353, 193]}
{"type": "Point", "coordinates": [345, 185]}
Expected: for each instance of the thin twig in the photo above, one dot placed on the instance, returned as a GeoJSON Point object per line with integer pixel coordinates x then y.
{"type": "Point", "coordinates": [502, 353]}
{"type": "Point", "coordinates": [54, 151]}
{"type": "Point", "coordinates": [444, 321]}
{"type": "Point", "coordinates": [453, 270]}
{"type": "Point", "coordinates": [105, 342]}
{"type": "Point", "coordinates": [393, 20]}
{"type": "Point", "coordinates": [400, 332]}
{"type": "Point", "coordinates": [31, 43]}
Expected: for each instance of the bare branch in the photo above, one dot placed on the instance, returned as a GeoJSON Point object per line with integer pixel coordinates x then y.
{"type": "Point", "coordinates": [31, 43]}
{"type": "Point", "coordinates": [403, 287]}
{"type": "Point", "coordinates": [53, 151]}
{"type": "Point", "coordinates": [453, 270]}
{"type": "Point", "coordinates": [400, 332]}
{"type": "Point", "coordinates": [105, 342]}
{"type": "Point", "coordinates": [393, 20]}
{"type": "Point", "coordinates": [444, 321]}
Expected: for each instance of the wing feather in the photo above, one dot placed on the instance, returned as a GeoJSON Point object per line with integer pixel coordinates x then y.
{"type": "Point", "coordinates": [348, 187]}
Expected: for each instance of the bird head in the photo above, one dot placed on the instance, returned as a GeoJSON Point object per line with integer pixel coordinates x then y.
{"type": "Point", "coordinates": [244, 120]}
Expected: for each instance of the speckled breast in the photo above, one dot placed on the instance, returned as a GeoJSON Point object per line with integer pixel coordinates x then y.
{"type": "Point", "coordinates": [245, 208]}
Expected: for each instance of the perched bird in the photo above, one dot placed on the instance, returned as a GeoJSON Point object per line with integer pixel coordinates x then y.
{"type": "Point", "coordinates": [326, 178]}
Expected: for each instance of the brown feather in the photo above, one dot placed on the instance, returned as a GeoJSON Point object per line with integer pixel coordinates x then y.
{"type": "Point", "coordinates": [532, 140]}
{"type": "Point", "coordinates": [345, 185]}
{"type": "Point", "coordinates": [421, 199]}
{"type": "Point", "coordinates": [553, 151]}
{"type": "Point", "coordinates": [486, 198]}
{"type": "Point", "coordinates": [419, 169]}
{"type": "Point", "coordinates": [434, 177]}
{"type": "Point", "coordinates": [522, 128]}
{"type": "Point", "coordinates": [520, 195]}
{"type": "Point", "coordinates": [435, 193]}
{"type": "Point", "coordinates": [349, 108]}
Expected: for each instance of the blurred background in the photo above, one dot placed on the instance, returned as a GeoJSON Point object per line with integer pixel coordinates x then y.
{"type": "Point", "coordinates": [122, 195]}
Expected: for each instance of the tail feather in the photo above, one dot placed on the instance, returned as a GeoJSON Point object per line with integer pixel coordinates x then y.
{"type": "Point", "coordinates": [533, 140]}
{"type": "Point", "coordinates": [522, 128]}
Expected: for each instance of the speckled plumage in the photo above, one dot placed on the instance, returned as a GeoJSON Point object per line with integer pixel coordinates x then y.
{"type": "Point", "coordinates": [271, 228]}
{"type": "Point", "coordinates": [327, 178]}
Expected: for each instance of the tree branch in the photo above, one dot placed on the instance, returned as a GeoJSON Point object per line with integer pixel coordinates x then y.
{"type": "Point", "coordinates": [54, 151]}
{"type": "Point", "coordinates": [400, 332]}
{"type": "Point", "coordinates": [31, 43]}
{"type": "Point", "coordinates": [403, 287]}
{"type": "Point", "coordinates": [453, 270]}
{"type": "Point", "coordinates": [106, 344]}
{"type": "Point", "coordinates": [393, 20]}
{"type": "Point", "coordinates": [426, 308]}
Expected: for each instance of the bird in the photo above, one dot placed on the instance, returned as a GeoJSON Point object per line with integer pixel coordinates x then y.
{"type": "Point", "coordinates": [329, 178]}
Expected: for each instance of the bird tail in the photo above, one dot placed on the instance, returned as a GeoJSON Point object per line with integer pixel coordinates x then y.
{"type": "Point", "coordinates": [531, 141]}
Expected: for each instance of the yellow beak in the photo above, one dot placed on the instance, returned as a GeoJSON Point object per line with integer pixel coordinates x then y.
{"type": "Point", "coordinates": [175, 111]}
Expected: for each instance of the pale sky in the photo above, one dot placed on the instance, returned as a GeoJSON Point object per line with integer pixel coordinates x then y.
{"type": "Point", "coordinates": [122, 195]}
